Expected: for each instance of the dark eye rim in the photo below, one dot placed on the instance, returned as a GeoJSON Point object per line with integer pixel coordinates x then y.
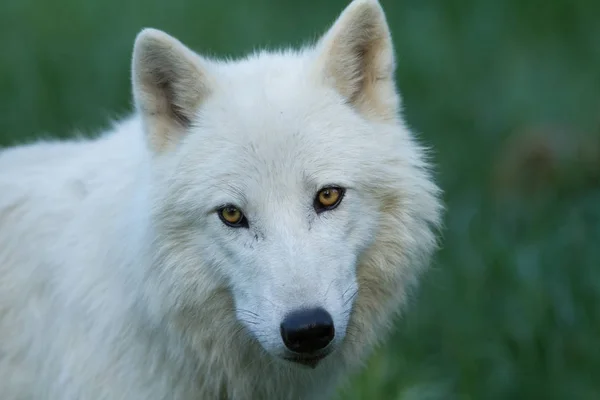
{"type": "Point", "coordinates": [243, 222]}
{"type": "Point", "coordinates": [319, 208]}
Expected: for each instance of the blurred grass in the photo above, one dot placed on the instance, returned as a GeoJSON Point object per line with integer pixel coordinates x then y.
{"type": "Point", "coordinates": [508, 94]}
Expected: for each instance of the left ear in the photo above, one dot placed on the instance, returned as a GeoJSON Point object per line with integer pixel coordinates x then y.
{"type": "Point", "coordinates": [170, 82]}
{"type": "Point", "coordinates": [356, 57]}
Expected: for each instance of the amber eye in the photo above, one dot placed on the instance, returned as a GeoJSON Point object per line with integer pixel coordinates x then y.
{"type": "Point", "coordinates": [232, 216]}
{"type": "Point", "coordinates": [328, 198]}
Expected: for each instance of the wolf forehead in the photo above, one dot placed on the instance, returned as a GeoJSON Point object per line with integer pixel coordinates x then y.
{"type": "Point", "coordinates": [296, 165]}
{"type": "Point", "coordinates": [278, 116]}
{"type": "Point", "coordinates": [283, 153]}
{"type": "Point", "coordinates": [275, 98]}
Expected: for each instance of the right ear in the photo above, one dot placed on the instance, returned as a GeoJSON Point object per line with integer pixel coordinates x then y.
{"type": "Point", "coordinates": [169, 84]}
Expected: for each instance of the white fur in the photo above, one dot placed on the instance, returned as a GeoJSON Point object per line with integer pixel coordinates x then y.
{"type": "Point", "coordinates": [119, 281]}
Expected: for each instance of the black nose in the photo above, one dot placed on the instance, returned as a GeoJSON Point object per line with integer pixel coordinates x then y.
{"type": "Point", "coordinates": [307, 331]}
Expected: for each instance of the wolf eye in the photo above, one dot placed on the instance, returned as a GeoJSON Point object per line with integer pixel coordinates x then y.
{"type": "Point", "coordinates": [328, 198]}
{"type": "Point", "coordinates": [233, 216]}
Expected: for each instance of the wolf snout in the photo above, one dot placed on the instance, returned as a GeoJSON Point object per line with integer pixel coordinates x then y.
{"type": "Point", "coordinates": [307, 331]}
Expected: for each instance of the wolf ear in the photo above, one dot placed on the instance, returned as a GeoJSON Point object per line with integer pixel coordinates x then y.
{"type": "Point", "coordinates": [356, 57]}
{"type": "Point", "coordinates": [169, 84]}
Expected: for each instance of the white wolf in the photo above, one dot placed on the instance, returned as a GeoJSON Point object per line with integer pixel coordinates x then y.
{"type": "Point", "coordinates": [248, 233]}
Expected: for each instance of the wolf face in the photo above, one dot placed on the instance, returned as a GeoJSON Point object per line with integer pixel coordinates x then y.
{"type": "Point", "coordinates": [287, 208]}
{"type": "Point", "coordinates": [277, 175]}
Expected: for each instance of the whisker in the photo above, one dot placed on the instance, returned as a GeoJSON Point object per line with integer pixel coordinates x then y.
{"type": "Point", "coordinates": [328, 288]}
{"type": "Point", "coordinates": [351, 298]}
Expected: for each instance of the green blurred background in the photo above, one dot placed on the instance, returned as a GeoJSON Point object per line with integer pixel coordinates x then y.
{"type": "Point", "coordinates": [508, 94]}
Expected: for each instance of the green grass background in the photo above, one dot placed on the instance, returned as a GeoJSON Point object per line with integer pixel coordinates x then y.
{"type": "Point", "coordinates": [508, 94]}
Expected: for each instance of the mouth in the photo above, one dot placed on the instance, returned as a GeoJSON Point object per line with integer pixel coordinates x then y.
{"type": "Point", "coordinates": [308, 361]}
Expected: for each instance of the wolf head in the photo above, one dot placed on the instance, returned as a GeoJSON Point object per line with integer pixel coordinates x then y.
{"type": "Point", "coordinates": [289, 180]}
